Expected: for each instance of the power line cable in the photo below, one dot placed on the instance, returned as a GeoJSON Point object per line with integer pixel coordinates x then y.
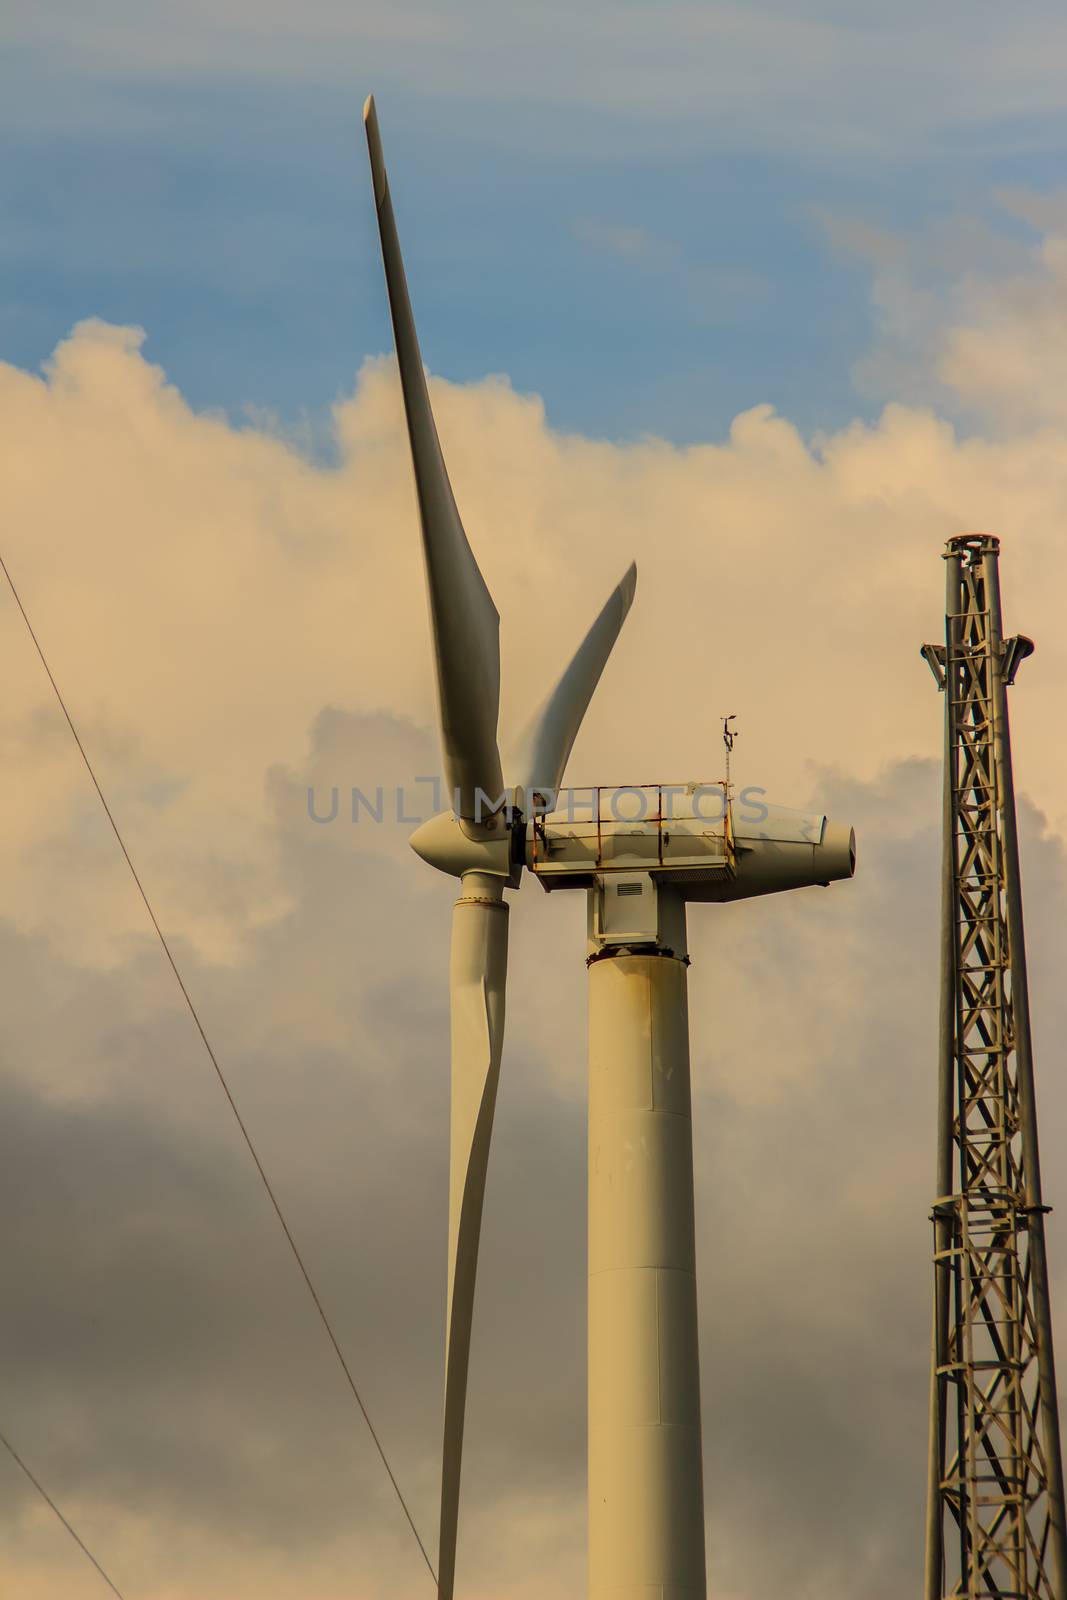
{"type": "Point", "coordinates": [246, 1136]}
{"type": "Point", "coordinates": [47, 1498]}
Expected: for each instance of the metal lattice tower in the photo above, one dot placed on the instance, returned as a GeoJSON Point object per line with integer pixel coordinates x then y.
{"type": "Point", "coordinates": [995, 1510]}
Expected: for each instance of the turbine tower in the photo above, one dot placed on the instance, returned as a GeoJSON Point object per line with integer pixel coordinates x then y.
{"type": "Point", "coordinates": [995, 1508]}
{"type": "Point", "coordinates": [639, 855]}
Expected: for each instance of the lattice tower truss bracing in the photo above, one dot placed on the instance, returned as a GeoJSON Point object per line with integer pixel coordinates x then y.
{"type": "Point", "coordinates": [995, 1512]}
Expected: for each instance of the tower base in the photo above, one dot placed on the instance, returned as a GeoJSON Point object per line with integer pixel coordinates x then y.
{"type": "Point", "coordinates": [646, 1496]}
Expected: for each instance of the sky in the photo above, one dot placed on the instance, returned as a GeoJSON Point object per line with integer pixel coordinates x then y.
{"type": "Point", "coordinates": [772, 299]}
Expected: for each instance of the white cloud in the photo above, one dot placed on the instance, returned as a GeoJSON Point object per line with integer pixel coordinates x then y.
{"type": "Point", "coordinates": [232, 622]}
{"type": "Point", "coordinates": [623, 240]}
{"type": "Point", "coordinates": [202, 591]}
{"type": "Point", "coordinates": [970, 314]}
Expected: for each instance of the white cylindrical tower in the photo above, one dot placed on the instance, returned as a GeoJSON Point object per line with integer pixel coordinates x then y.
{"type": "Point", "coordinates": [646, 1499]}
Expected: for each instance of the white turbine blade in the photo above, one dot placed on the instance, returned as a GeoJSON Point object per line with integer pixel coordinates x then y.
{"type": "Point", "coordinates": [466, 627]}
{"type": "Point", "coordinates": [544, 749]}
{"type": "Point", "coordinates": [478, 977]}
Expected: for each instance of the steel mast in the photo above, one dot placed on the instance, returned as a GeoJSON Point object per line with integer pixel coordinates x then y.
{"type": "Point", "coordinates": [995, 1500]}
{"type": "Point", "coordinates": [646, 1485]}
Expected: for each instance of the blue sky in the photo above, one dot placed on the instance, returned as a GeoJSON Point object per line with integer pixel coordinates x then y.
{"type": "Point", "coordinates": [626, 213]}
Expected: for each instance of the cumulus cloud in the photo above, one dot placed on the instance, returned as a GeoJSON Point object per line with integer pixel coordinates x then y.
{"type": "Point", "coordinates": [712, 296]}
{"type": "Point", "coordinates": [232, 623]}
{"type": "Point", "coordinates": [971, 314]}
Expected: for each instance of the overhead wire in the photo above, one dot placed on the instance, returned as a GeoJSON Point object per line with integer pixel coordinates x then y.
{"type": "Point", "coordinates": [47, 1498]}
{"type": "Point", "coordinates": [213, 1058]}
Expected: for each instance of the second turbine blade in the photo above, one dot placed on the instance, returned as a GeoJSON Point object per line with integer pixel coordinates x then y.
{"type": "Point", "coordinates": [541, 759]}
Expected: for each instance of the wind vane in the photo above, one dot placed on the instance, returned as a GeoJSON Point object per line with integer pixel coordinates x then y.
{"type": "Point", "coordinates": [728, 737]}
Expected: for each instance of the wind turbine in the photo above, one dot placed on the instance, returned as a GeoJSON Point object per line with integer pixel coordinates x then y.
{"type": "Point", "coordinates": [640, 854]}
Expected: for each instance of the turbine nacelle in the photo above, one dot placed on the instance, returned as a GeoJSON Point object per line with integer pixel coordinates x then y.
{"type": "Point", "coordinates": [692, 837]}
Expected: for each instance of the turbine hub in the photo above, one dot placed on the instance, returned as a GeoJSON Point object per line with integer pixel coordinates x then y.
{"type": "Point", "coordinates": [458, 847]}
